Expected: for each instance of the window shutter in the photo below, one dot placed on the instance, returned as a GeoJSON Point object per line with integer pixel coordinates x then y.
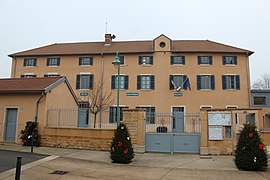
{"type": "Point", "coordinates": [35, 62]}
{"type": "Point", "coordinates": [224, 60]}
{"type": "Point", "coordinates": [184, 82]}
{"type": "Point", "coordinates": [126, 82]}
{"type": "Point", "coordinates": [91, 61]}
{"type": "Point", "coordinates": [140, 60]}
{"type": "Point", "coordinates": [78, 79]}
{"type": "Point", "coordinates": [139, 82]}
{"type": "Point", "coordinates": [210, 60]}
{"type": "Point", "coordinates": [199, 59]}
{"type": "Point", "coordinates": [152, 82]}
{"type": "Point", "coordinates": [198, 82]}
{"type": "Point", "coordinates": [237, 82]}
{"type": "Point", "coordinates": [151, 60]}
{"type": "Point", "coordinates": [235, 60]}
{"type": "Point", "coordinates": [212, 82]}
{"type": "Point", "coordinates": [113, 82]}
{"type": "Point", "coordinates": [80, 61]}
{"type": "Point", "coordinates": [223, 82]}
{"type": "Point", "coordinates": [172, 60]}
{"type": "Point", "coordinates": [170, 82]}
{"type": "Point", "coordinates": [48, 61]}
{"type": "Point", "coordinates": [46, 75]}
{"type": "Point", "coordinates": [58, 61]}
{"type": "Point", "coordinates": [91, 80]}
{"type": "Point", "coordinates": [184, 60]}
{"type": "Point", "coordinates": [24, 62]}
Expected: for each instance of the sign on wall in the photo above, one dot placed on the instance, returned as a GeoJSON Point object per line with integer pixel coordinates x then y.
{"type": "Point", "coordinates": [219, 118]}
{"type": "Point", "coordinates": [215, 132]}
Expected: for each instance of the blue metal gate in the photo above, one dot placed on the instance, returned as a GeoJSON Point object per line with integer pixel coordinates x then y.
{"type": "Point", "coordinates": [176, 132]}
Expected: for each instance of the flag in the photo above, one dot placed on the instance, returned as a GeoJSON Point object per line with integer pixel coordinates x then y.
{"type": "Point", "coordinates": [175, 87]}
{"type": "Point", "coordinates": [187, 83]}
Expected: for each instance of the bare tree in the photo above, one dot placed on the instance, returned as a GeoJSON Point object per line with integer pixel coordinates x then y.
{"type": "Point", "coordinates": [263, 83]}
{"type": "Point", "coordinates": [99, 100]}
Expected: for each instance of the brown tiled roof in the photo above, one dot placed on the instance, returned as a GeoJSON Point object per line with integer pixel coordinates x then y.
{"type": "Point", "coordinates": [128, 47]}
{"type": "Point", "coordinates": [27, 85]}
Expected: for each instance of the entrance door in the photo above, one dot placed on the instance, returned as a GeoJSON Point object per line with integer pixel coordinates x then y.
{"type": "Point", "coordinates": [83, 117]}
{"type": "Point", "coordinates": [178, 119]}
{"type": "Point", "coordinates": [10, 126]}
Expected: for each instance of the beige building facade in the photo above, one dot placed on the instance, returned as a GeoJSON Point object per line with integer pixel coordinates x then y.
{"type": "Point", "coordinates": [152, 72]}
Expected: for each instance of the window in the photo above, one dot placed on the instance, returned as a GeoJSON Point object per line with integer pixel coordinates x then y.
{"type": "Point", "coordinates": [145, 60]}
{"type": "Point", "coordinates": [84, 81]}
{"type": "Point", "coordinates": [228, 131]}
{"type": "Point", "coordinates": [28, 76]}
{"type": "Point", "coordinates": [259, 101]}
{"type": "Point", "coordinates": [113, 113]}
{"type": "Point", "coordinates": [51, 75]}
{"type": "Point", "coordinates": [85, 61]}
{"type": "Point", "coordinates": [205, 60]}
{"type": "Point", "coordinates": [122, 60]}
{"type": "Point", "coordinates": [150, 114]}
{"type": "Point", "coordinates": [146, 82]}
{"type": "Point", "coordinates": [179, 81]}
{"type": "Point", "coordinates": [231, 82]}
{"type": "Point", "coordinates": [177, 60]}
{"type": "Point", "coordinates": [123, 82]}
{"type": "Point", "coordinates": [206, 107]}
{"type": "Point", "coordinates": [30, 62]}
{"type": "Point", "coordinates": [231, 107]}
{"type": "Point", "coordinates": [205, 82]}
{"type": "Point", "coordinates": [229, 60]}
{"type": "Point", "coordinates": [53, 61]}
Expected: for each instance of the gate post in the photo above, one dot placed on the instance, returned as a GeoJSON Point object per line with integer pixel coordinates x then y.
{"type": "Point", "coordinates": [134, 120]}
{"type": "Point", "coordinates": [204, 133]}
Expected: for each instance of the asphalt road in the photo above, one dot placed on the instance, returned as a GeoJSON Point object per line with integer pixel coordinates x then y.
{"type": "Point", "coordinates": [8, 159]}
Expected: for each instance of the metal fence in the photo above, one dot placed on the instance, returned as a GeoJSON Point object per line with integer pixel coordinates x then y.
{"type": "Point", "coordinates": [167, 122]}
{"type": "Point", "coordinates": [80, 118]}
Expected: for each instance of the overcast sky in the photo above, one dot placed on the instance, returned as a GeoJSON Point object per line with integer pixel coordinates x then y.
{"type": "Point", "coordinates": [26, 24]}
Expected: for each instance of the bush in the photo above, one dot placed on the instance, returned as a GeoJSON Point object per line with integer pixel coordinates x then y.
{"type": "Point", "coordinates": [121, 148]}
{"type": "Point", "coordinates": [250, 154]}
{"type": "Point", "coordinates": [31, 128]}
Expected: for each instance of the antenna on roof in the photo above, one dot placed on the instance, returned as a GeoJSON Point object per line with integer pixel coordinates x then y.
{"type": "Point", "coordinates": [106, 28]}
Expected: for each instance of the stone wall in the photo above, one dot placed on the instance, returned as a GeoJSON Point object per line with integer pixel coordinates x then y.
{"type": "Point", "coordinates": [78, 138]}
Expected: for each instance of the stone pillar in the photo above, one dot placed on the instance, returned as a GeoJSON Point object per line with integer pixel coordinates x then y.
{"type": "Point", "coordinates": [135, 122]}
{"type": "Point", "coordinates": [204, 133]}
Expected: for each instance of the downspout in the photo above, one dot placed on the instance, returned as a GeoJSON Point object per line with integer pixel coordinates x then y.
{"type": "Point", "coordinates": [248, 82]}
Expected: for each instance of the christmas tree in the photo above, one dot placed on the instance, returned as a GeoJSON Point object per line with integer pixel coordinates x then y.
{"type": "Point", "coordinates": [31, 128]}
{"type": "Point", "coordinates": [121, 147]}
{"type": "Point", "coordinates": [250, 154]}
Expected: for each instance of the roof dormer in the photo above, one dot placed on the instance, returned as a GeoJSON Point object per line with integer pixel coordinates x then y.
{"type": "Point", "coordinates": [162, 43]}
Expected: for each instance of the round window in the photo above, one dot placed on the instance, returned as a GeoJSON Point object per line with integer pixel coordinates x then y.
{"type": "Point", "coordinates": [162, 44]}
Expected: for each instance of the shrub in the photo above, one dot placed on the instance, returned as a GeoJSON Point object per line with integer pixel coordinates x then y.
{"type": "Point", "coordinates": [31, 128]}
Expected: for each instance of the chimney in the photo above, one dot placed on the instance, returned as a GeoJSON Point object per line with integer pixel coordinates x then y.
{"type": "Point", "coordinates": [108, 39]}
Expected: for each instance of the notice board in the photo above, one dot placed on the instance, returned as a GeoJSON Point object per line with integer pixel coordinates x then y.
{"type": "Point", "coordinates": [219, 118]}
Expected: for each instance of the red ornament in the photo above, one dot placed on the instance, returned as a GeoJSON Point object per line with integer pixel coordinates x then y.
{"type": "Point", "coordinates": [261, 146]}
{"type": "Point", "coordinates": [125, 151]}
{"type": "Point", "coordinates": [250, 134]}
{"type": "Point", "coordinates": [119, 143]}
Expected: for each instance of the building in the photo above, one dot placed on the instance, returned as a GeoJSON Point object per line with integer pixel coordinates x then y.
{"type": "Point", "coordinates": [29, 99]}
{"type": "Point", "coordinates": [151, 71]}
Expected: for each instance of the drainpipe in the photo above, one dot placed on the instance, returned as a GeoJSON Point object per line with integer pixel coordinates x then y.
{"type": "Point", "coordinates": [36, 117]}
{"type": "Point", "coordinates": [248, 82]}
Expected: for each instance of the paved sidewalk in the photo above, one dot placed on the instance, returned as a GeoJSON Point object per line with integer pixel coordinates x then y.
{"type": "Point", "coordinates": [161, 165]}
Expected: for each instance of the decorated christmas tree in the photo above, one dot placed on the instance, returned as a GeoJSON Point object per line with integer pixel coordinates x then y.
{"type": "Point", "coordinates": [250, 154]}
{"type": "Point", "coordinates": [31, 128]}
{"type": "Point", "coordinates": [121, 147]}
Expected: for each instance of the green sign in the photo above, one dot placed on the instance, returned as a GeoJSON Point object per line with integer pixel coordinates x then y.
{"type": "Point", "coordinates": [178, 94]}
{"type": "Point", "coordinates": [132, 94]}
{"type": "Point", "coordinates": [84, 94]}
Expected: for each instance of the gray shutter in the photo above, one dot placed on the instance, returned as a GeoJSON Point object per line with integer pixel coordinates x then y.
{"type": "Point", "coordinates": [91, 61]}
{"type": "Point", "coordinates": [140, 60]}
{"type": "Point", "coordinates": [224, 60]}
{"type": "Point", "coordinates": [139, 82]}
{"type": "Point", "coordinates": [152, 82]}
{"type": "Point", "coordinates": [237, 82]}
{"type": "Point", "coordinates": [210, 60]}
{"type": "Point", "coordinates": [198, 82]}
{"type": "Point", "coordinates": [24, 62]}
{"type": "Point", "coordinates": [113, 82]}
{"type": "Point", "coordinates": [199, 60]}
{"type": "Point", "coordinates": [126, 82]}
{"type": "Point", "coordinates": [78, 79]}
{"type": "Point", "coordinates": [184, 60]}
{"type": "Point", "coordinates": [184, 80]}
{"type": "Point", "coordinates": [172, 60]}
{"type": "Point", "coordinates": [151, 60]}
{"type": "Point", "coordinates": [35, 62]}
{"type": "Point", "coordinates": [91, 81]}
{"type": "Point", "coordinates": [48, 61]}
{"type": "Point", "coordinates": [58, 61]}
{"type": "Point", "coordinates": [235, 60]}
{"type": "Point", "coordinates": [80, 61]}
{"type": "Point", "coordinates": [223, 82]}
{"type": "Point", "coordinates": [212, 82]}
